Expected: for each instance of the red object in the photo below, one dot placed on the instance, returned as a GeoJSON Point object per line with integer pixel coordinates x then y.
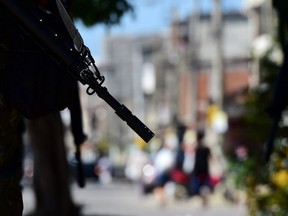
{"type": "Point", "coordinates": [214, 180]}
{"type": "Point", "coordinates": [179, 176]}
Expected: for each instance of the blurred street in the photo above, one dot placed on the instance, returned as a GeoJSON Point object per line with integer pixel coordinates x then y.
{"type": "Point", "coordinates": [122, 199]}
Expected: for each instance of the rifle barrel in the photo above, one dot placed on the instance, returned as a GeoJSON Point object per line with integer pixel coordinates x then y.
{"type": "Point", "coordinates": [123, 112]}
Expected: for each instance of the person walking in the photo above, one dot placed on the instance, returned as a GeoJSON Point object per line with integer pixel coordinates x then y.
{"type": "Point", "coordinates": [163, 163]}
{"type": "Point", "coordinates": [200, 178]}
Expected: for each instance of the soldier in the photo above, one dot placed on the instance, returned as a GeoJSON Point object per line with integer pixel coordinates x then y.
{"type": "Point", "coordinates": [22, 67]}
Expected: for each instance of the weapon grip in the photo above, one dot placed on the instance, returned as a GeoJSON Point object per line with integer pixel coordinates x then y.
{"type": "Point", "coordinates": [139, 127]}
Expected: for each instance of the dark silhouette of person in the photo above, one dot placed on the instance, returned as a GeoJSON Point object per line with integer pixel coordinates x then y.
{"type": "Point", "coordinates": [28, 73]}
{"type": "Point", "coordinates": [201, 174]}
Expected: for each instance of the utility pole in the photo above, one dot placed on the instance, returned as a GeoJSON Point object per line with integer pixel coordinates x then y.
{"type": "Point", "coordinates": [193, 56]}
{"type": "Point", "coordinates": [217, 85]}
{"type": "Point", "coordinates": [217, 77]}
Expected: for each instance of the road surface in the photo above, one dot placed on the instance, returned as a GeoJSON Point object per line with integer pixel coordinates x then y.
{"type": "Point", "coordinates": [122, 199]}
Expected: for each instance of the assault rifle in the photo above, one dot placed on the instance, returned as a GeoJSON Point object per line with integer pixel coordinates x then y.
{"type": "Point", "coordinates": [72, 53]}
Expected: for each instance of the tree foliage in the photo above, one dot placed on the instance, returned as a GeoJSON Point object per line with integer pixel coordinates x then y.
{"type": "Point", "coordinates": [266, 183]}
{"type": "Point", "coordinates": [92, 12]}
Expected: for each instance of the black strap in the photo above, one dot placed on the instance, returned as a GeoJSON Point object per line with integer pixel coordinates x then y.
{"type": "Point", "coordinates": [78, 134]}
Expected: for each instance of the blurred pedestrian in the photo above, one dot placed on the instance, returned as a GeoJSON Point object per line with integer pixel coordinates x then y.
{"type": "Point", "coordinates": [164, 161]}
{"type": "Point", "coordinates": [136, 160]}
{"type": "Point", "coordinates": [200, 177]}
{"type": "Point", "coordinates": [104, 167]}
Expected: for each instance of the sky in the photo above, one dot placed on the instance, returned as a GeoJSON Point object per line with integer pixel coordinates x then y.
{"type": "Point", "coordinates": [150, 16]}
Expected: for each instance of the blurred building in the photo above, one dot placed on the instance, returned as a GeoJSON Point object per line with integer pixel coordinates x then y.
{"type": "Point", "coordinates": [194, 38]}
{"type": "Point", "coordinates": [180, 63]}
